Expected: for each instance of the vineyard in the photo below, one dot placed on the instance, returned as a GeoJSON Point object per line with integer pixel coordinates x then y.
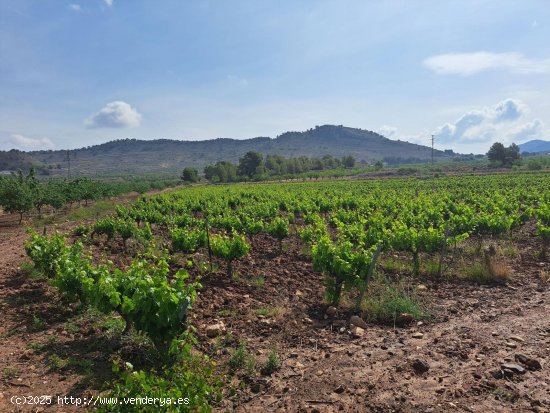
{"type": "Point", "coordinates": [235, 290]}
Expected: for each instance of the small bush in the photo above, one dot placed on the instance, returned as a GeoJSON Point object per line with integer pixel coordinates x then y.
{"type": "Point", "coordinates": [272, 364]}
{"type": "Point", "coordinates": [385, 301]}
{"type": "Point", "coordinates": [488, 273]}
{"type": "Point", "coordinates": [238, 357]}
{"type": "Point", "coordinates": [189, 376]}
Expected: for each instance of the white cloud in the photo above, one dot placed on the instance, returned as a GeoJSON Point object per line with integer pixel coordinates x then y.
{"type": "Point", "coordinates": [387, 131]}
{"type": "Point", "coordinates": [75, 7]}
{"type": "Point", "coordinates": [24, 143]}
{"type": "Point", "coordinates": [509, 110]}
{"type": "Point", "coordinates": [108, 3]}
{"type": "Point", "coordinates": [467, 64]}
{"type": "Point", "coordinates": [498, 121]}
{"type": "Point", "coordinates": [528, 131]}
{"type": "Point", "coordinates": [116, 114]}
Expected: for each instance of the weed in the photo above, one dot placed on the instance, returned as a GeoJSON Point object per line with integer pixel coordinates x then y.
{"type": "Point", "coordinates": [81, 230]}
{"type": "Point", "coordinates": [112, 325]}
{"type": "Point", "coordinates": [37, 323]}
{"type": "Point", "coordinates": [500, 272]}
{"type": "Point", "coordinates": [30, 270]}
{"type": "Point", "coordinates": [509, 250]}
{"type": "Point", "coordinates": [238, 358]}
{"type": "Point", "coordinates": [431, 267]}
{"type": "Point", "coordinates": [226, 312]}
{"type": "Point", "coordinates": [223, 341]}
{"type": "Point", "coordinates": [81, 366]}
{"type": "Point", "coordinates": [100, 208]}
{"type": "Point", "coordinates": [72, 327]}
{"type": "Point", "coordinates": [478, 272]}
{"type": "Point", "coordinates": [35, 347]}
{"type": "Point", "coordinates": [268, 312]}
{"type": "Point", "coordinates": [40, 222]}
{"type": "Point", "coordinates": [257, 282]}
{"type": "Point", "coordinates": [9, 333]}
{"type": "Point", "coordinates": [489, 272]}
{"type": "Point", "coordinates": [272, 364]}
{"type": "Point", "coordinates": [393, 264]}
{"type": "Point", "coordinates": [56, 363]}
{"type": "Point", "coordinates": [10, 373]}
{"type": "Point", "coordinates": [386, 300]}
{"type": "Point", "coordinates": [250, 367]}
{"type": "Point", "coordinates": [505, 395]}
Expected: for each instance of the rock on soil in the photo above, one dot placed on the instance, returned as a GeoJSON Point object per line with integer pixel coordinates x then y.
{"type": "Point", "coordinates": [215, 330]}
{"type": "Point", "coordinates": [420, 366]}
{"type": "Point", "coordinates": [358, 321]}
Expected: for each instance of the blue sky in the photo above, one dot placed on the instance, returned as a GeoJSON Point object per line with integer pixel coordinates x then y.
{"type": "Point", "coordinates": [78, 73]}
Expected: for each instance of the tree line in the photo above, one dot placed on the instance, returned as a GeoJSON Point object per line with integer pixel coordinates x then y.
{"type": "Point", "coordinates": [253, 165]}
{"type": "Point", "coordinates": [22, 193]}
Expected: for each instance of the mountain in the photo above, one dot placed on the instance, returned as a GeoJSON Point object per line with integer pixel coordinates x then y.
{"type": "Point", "coordinates": [535, 146]}
{"type": "Point", "coordinates": [169, 157]}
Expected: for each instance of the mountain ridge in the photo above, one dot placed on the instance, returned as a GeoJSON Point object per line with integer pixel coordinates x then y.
{"type": "Point", "coordinates": [169, 156]}
{"type": "Point", "coordinates": [535, 146]}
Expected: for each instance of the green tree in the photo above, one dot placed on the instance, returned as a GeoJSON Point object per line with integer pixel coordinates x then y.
{"type": "Point", "coordinates": [189, 175]}
{"type": "Point", "coordinates": [348, 161]}
{"type": "Point", "coordinates": [512, 154]}
{"type": "Point", "coordinates": [16, 196]}
{"type": "Point", "coordinates": [501, 155]}
{"type": "Point", "coordinates": [250, 164]}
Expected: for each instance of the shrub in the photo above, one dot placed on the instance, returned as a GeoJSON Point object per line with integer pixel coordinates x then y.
{"type": "Point", "coordinates": [229, 249]}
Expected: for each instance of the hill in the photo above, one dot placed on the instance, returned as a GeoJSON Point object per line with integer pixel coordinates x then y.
{"type": "Point", "coordinates": [535, 146]}
{"type": "Point", "coordinates": [164, 156]}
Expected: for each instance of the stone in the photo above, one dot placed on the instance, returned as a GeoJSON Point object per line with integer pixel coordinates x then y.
{"type": "Point", "coordinates": [358, 321]}
{"type": "Point", "coordinates": [511, 344]}
{"type": "Point", "coordinates": [420, 366]}
{"type": "Point", "coordinates": [530, 363]}
{"type": "Point", "coordinates": [357, 331]}
{"type": "Point", "coordinates": [517, 338]}
{"type": "Point", "coordinates": [215, 330]}
{"type": "Point", "coordinates": [418, 335]}
{"type": "Point", "coordinates": [516, 368]}
{"type": "Point", "coordinates": [340, 389]}
{"type": "Point", "coordinates": [421, 287]}
{"type": "Point", "coordinates": [331, 311]}
{"type": "Point", "coordinates": [497, 374]}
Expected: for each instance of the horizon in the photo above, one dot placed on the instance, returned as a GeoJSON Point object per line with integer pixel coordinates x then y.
{"type": "Point", "coordinates": [77, 74]}
{"type": "Point", "coordinates": [210, 139]}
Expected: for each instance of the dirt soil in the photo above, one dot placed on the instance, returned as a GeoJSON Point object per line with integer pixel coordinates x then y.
{"type": "Point", "coordinates": [454, 365]}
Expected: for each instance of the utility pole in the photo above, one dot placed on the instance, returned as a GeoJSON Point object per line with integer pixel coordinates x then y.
{"type": "Point", "coordinates": [68, 164]}
{"type": "Point", "coordinates": [433, 138]}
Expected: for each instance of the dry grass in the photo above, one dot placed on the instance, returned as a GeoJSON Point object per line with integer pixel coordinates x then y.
{"type": "Point", "coordinates": [499, 271]}
{"type": "Point", "coordinates": [489, 271]}
{"type": "Point", "coordinates": [544, 276]}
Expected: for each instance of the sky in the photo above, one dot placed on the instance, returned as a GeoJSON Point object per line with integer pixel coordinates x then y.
{"type": "Point", "coordinates": [80, 73]}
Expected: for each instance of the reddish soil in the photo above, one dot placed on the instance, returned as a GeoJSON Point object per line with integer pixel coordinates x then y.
{"type": "Point", "coordinates": [323, 367]}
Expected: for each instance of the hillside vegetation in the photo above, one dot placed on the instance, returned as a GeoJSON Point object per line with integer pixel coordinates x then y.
{"type": "Point", "coordinates": [164, 156]}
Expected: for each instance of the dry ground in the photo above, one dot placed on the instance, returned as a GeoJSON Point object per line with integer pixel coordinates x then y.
{"type": "Point", "coordinates": [48, 347]}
